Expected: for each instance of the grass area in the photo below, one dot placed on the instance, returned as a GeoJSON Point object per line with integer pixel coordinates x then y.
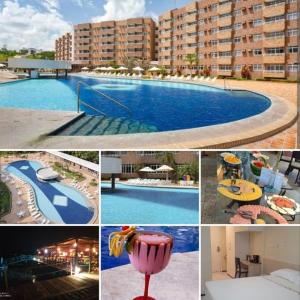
{"type": "Point", "coordinates": [93, 182]}
{"type": "Point", "coordinates": [5, 199]}
{"type": "Point", "coordinates": [67, 173]}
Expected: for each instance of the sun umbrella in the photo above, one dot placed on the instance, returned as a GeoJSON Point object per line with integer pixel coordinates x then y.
{"type": "Point", "coordinates": [165, 168]}
{"type": "Point", "coordinates": [154, 69]}
{"type": "Point", "coordinates": [2, 65]}
{"type": "Point", "coordinates": [85, 68]}
{"type": "Point", "coordinates": [111, 69]}
{"type": "Point", "coordinates": [122, 68]}
{"type": "Point", "coordinates": [103, 69]}
{"type": "Point", "coordinates": [139, 69]}
{"type": "Point", "coordinates": [146, 169]}
{"type": "Point", "coordinates": [97, 69]}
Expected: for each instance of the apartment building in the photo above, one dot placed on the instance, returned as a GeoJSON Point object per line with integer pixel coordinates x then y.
{"type": "Point", "coordinates": [228, 35]}
{"type": "Point", "coordinates": [63, 47]}
{"type": "Point", "coordinates": [132, 161]}
{"type": "Point", "coordinates": [97, 44]}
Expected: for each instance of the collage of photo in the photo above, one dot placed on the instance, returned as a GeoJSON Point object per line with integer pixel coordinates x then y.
{"type": "Point", "coordinates": [149, 150]}
{"type": "Point", "coordinates": [78, 220]}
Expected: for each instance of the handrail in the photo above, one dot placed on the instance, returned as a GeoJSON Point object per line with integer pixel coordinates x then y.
{"type": "Point", "coordinates": [100, 93]}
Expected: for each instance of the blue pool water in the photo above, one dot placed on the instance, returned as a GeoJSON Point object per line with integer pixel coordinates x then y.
{"type": "Point", "coordinates": [165, 105]}
{"type": "Point", "coordinates": [75, 212]}
{"type": "Point", "coordinates": [147, 205]}
{"type": "Point", "coordinates": [186, 239]}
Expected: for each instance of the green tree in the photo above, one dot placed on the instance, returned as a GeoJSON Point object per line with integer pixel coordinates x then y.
{"type": "Point", "coordinates": [191, 59]}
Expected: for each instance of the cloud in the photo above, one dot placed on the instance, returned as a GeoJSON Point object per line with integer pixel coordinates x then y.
{"type": "Point", "coordinates": [82, 3]}
{"type": "Point", "coordinates": [28, 26]}
{"type": "Point", "coordinates": [118, 10]}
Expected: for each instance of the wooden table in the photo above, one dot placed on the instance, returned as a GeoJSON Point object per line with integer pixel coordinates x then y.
{"type": "Point", "coordinates": [249, 192]}
{"type": "Point", "coordinates": [254, 269]}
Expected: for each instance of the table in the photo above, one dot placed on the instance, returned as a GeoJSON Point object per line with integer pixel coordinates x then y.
{"type": "Point", "coordinates": [254, 269]}
{"type": "Point", "coordinates": [250, 193]}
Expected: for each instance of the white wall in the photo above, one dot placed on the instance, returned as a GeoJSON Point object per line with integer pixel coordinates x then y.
{"type": "Point", "coordinates": [218, 248]}
{"type": "Point", "coordinates": [242, 244]}
{"type": "Point", "coordinates": [282, 244]}
{"type": "Point", "coordinates": [257, 243]}
{"type": "Point", "coordinates": [230, 250]}
{"type": "Point", "coordinates": [205, 257]}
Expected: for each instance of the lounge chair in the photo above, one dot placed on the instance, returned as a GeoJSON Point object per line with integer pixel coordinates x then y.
{"type": "Point", "coordinates": [214, 79]}
{"type": "Point", "coordinates": [207, 79]}
{"type": "Point", "coordinates": [201, 78]}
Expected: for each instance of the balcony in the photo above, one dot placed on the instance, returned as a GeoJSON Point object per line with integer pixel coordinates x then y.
{"type": "Point", "coordinates": [224, 34]}
{"type": "Point", "coordinates": [274, 74]}
{"type": "Point", "coordinates": [191, 18]}
{"type": "Point", "coordinates": [166, 25]}
{"type": "Point", "coordinates": [165, 52]}
{"type": "Point", "coordinates": [225, 72]}
{"type": "Point", "coordinates": [273, 11]}
{"type": "Point", "coordinates": [274, 43]}
{"type": "Point", "coordinates": [274, 59]}
{"type": "Point", "coordinates": [191, 29]}
{"type": "Point", "coordinates": [165, 62]}
{"type": "Point", "coordinates": [224, 22]}
{"type": "Point", "coordinates": [225, 60]}
{"type": "Point", "coordinates": [272, 27]}
{"type": "Point", "coordinates": [225, 8]}
{"type": "Point", "coordinates": [191, 39]}
{"type": "Point", "coordinates": [224, 47]}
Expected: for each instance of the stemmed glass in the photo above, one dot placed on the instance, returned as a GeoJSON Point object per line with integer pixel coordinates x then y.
{"type": "Point", "coordinates": [150, 253]}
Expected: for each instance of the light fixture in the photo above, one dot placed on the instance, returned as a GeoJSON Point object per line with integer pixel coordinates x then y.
{"type": "Point", "coordinates": [77, 270]}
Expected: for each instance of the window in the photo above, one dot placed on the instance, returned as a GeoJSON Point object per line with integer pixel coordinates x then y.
{"type": "Point", "coordinates": [274, 51]}
{"type": "Point", "coordinates": [213, 18]}
{"type": "Point", "coordinates": [257, 52]}
{"type": "Point", "coordinates": [225, 68]}
{"type": "Point", "coordinates": [237, 53]}
{"type": "Point", "coordinates": [274, 35]}
{"type": "Point", "coordinates": [214, 67]}
{"type": "Point", "coordinates": [257, 22]}
{"type": "Point", "coordinates": [214, 54]}
{"type": "Point", "coordinates": [292, 32]}
{"type": "Point", "coordinates": [237, 40]}
{"type": "Point", "coordinates": [257, 7]}
{"type": "Point", "coordinates": [274, 19]}
{"type": "Point", "coordinates": [292, 16]}
{"type": "Point", "coordinates": [237, 67]}
{"type": "Point", "coordinates": [274, 68]}
{"type": "Point", "coordinates": [257, 67]}
{"type": "Point", "coordinates": [293, 49]}
{"type": "Point", "coordinates": [257, 37]}
{"type": "Point", "coordinates": [237, 12]}
{"type": "Point", "coordinates": [238, 26]}
{"type": "Point", "coordinates": [293, 68]}
{"type": "Point", "coordinates": [128, 168]}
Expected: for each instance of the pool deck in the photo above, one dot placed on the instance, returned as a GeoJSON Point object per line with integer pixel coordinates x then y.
{"type": "Point", "coordinates": [274, 128]}
{"type": "Point", "coordinates": [180, 280]}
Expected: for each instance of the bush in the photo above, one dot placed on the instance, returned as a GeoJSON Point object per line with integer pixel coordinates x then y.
{"type": "Point", "coordinates": [246, 73]}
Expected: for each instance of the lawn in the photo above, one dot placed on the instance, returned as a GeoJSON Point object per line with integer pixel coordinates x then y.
{"type": "Point", "coordinates": [5, 199]}
{"type": "Point", "coordinates": [67, 173]}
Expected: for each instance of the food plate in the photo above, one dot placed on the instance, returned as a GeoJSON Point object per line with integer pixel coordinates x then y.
{"type": "Point", "coordinates": [232, 160]}
{"type": "Point", "coordinates": [283, 204]}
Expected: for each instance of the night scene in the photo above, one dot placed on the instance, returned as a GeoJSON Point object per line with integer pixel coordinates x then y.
{"type": "Point", "coordinates": [58, 262]}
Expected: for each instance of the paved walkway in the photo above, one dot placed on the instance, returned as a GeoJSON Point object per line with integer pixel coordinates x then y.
{"type": "Point", "coordinates": [180, 280]}
{"type": "Point", "coordinates": [24, 128]}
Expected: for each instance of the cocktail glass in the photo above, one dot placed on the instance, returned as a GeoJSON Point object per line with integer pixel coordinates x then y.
{"type": "Point", "coordinates": [150, 254]}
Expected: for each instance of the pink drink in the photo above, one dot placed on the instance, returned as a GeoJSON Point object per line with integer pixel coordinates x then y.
{"type": "Point", "coordinates": [151, 252]}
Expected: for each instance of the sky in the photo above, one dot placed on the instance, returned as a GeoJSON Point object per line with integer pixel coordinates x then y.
{"type": "Point", "coordinates": [37, 23]}
{"type": "Point", "coordinates": [16, 240]}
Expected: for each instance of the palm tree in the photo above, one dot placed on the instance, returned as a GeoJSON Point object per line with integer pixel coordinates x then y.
{"type": "Point", "coordinates": [191, 59]}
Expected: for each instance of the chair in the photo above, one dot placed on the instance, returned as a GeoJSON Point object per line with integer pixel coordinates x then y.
{"type": "Point", "coordinates": [294, 164]}
{"type": "Point", "coordinates": [239, 270]}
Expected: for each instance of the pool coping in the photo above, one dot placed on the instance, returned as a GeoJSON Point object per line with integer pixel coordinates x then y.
{"type": "Point", "coordinates": [278, 117]}
{"type": "Point", "coordinates": [96, 210]}
{"type": "Point", "coordinates": [157, 186]}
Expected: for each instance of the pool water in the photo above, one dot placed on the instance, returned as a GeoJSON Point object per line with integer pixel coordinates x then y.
{"type": "Point", "coordinates": [164, 105]}
{"type": "Point", "coordinates": [74, 207]}
{"type": "Point", "coordinates": [149, 205]}
{"type": "Point", "coordinates": [186, 239]}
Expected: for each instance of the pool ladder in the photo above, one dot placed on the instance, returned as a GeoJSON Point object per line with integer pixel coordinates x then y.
{"type": "Point", "coordinates": [226, 86]}
{"type": "Point", "coordinates": [80, 101]}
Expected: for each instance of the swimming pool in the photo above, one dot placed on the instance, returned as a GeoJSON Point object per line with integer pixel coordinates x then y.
{"type": "Point", "coordinates": [58, 202]}
{"type": "Point", "coordinates": [149, 205]}
{"type": "Point", "coordinates": [186, 239]}
{"type": "Point", "coordinates": [163, 105]}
